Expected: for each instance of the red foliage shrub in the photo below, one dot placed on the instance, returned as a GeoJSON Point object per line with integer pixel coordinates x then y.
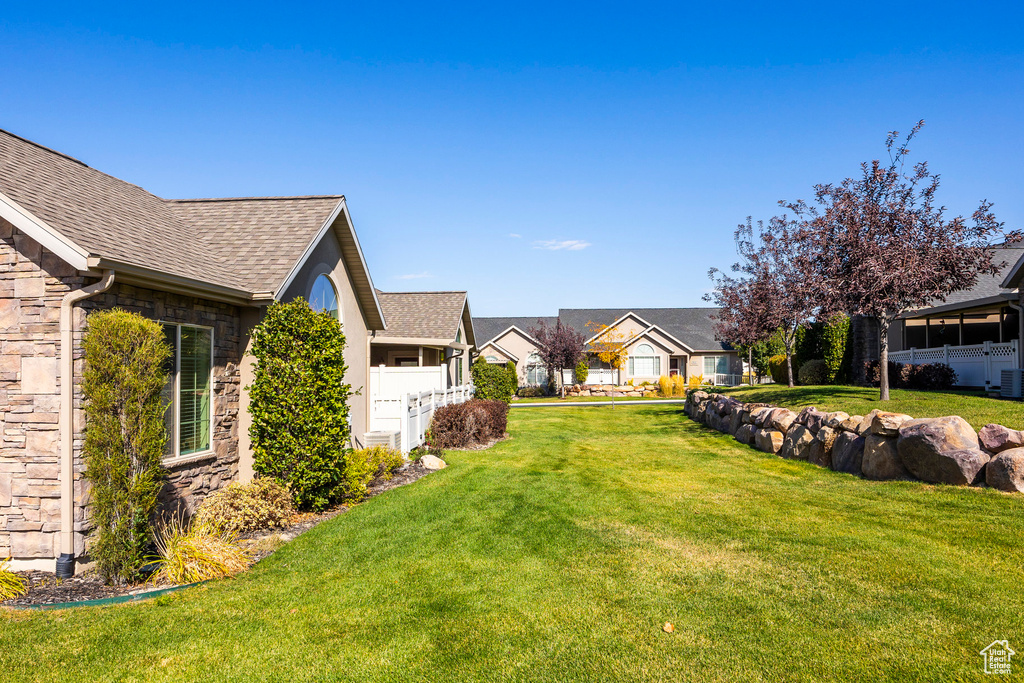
{"type": "Point", "coordinates": [464, 424]}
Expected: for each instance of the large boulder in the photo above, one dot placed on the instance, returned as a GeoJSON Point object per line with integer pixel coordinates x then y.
{"type": "Point", "coordinates": [820, 450]}
{"type": "Point", "coordinates": [735, 422]}
{"type": "Point", "coordinates": [852, 423]}
{"type": "Point", "coordinates": [760, 414]}
{"type": "Point", "coordinates": [432, 462]}
{"type": "Point", "coordinates": [865, 424]}
{"type": "Point", "coordinates": [713, 419]}
{"type": "Point", "coordinates": [881, 458]}
{"type": "Point", "coordinates": [780, 420]}
{"type": "Point", "coordinates": [813, 418]}
{"type": "Point", "coordinates": [745, 434]}
{"type": "Point", "coordinates": [768, 440]}
{"type": "Point", "coordinates": [749, 410]}
{"type": "Point", "coordinates": [941, 450]}
{"type": "Point", "coordinates": [888, 424]}
{"type": "Point", "coordinates": [847, 452]}
{"type": "Point", "coordinates": [997, 438]}
{"type": "Point", "coordinates": [805, 415]}
{"type": "Point", "coordinates": [797, 442]}
{"type": "Point", "coordinates": [834, 419]}
{"type": "Point", "coordinates": [1006, 471]}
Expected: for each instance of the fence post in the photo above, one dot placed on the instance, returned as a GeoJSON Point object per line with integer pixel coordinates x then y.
{"type": "Point", "coordinates": [419, 418]}
{"type": "Point", "coordinates": [945, 354]}
{"type": "Point", "coordinates": [913, 355]}
{"type": "Point", "coordinates": [988, 363]}
{"type": "Point", "coordinates": [403, 415]}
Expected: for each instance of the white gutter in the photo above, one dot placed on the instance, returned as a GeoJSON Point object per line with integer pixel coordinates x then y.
{"type": "Point", "coordinates": [66, 561]}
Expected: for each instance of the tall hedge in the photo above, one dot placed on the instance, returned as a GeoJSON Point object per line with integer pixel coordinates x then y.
{"type": "Point", "coordinates": [299, 403]}
{"type": "Point", "coordinates": [834, 341]}
{"type": "Point", "coordinates": [124, 375]}
{"type": "Point", "coordinates": [493, 381]}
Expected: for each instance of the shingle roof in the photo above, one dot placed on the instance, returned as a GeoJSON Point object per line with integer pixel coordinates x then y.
{"type": "Point", "coordinates": [692, 326]}
{"type": "Point", "coordinates": [488, 328]}
{"type": "Point", "coordinates": [422, 315]}
{"type": "Point", "coordinates": [988, 287]}
{"type": "Point", "coordinates": [249, 244]}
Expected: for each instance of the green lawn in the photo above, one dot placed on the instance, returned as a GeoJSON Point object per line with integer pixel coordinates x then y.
{"type": "Point", "coordinates": [975, 407]}
{"type": "Point", "coordinates": [592, 399]}
{"type": "Point", "coordinates": [557, 556]}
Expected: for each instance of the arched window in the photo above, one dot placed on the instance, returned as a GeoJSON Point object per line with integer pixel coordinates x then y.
{"type": "Point", "coordinates": [536, 373]}
{"type": "Point", "coordinates": [324, 297]}
{"type": "Point", "coordinates": [644, 363]}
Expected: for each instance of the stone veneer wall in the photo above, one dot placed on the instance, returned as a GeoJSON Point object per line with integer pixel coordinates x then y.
{"type": "Point", "coordinates": [32, 284]}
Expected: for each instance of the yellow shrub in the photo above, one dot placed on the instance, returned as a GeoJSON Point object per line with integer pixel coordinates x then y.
{"type": "Point", "coordinates": [197, 553]}
{"type": "Point", "coordinates": [665, 384]}
{"type": "Point", "coordinates": [11, 585]}
{"type": "Point", "coordinates": [696, 381]}
{"type": "Point", "coordinates": [679, 385]}
{"type": "Point", "coordinates": [238, 508]}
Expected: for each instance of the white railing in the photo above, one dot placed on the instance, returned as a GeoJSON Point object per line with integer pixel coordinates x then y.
{"type": "Point", "coordinates": [724, 380]}
{"type": "Point", "coordinates": [409, 414]}
{"type": "Point", "coordinates": [385, 381]}
{"type": "Point", "coordinates": [976, 365]}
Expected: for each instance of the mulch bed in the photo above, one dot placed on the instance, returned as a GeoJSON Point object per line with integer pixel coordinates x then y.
{"type": "Point", "coordinates": [45, 589]}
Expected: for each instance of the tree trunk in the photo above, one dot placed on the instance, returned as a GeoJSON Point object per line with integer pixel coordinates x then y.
{"type": "Point", "coordinates": [883, 360]}
{"type": "Point", "coordinates": [789, 367]}
{"type": "Point", "coordinates": [750, 366]}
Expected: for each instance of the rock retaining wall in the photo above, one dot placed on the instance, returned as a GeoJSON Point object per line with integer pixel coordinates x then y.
{"type": "Point", "coordinates": [647, 391]}
{"type": "Point", "coordinates": [880, 445]}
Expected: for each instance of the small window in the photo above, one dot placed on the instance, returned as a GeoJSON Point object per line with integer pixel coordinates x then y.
{"type": "Point", "coordinates": [716, 365]}
{"type": "Point", "coordinates": [324, 297]}
{"type": "Point", "coordinates": [644, 363]}
{"type": "Point", "coordinates": [189, 392]}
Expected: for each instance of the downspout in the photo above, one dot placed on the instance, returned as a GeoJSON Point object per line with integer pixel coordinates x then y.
{"type": "Point", "coordinates": [66, 560]}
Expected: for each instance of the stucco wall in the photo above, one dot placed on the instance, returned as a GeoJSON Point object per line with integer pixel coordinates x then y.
{"type": "Point", "coordinates": [519, 346]}
{"type": "Point", "coordinates": [695, 366]}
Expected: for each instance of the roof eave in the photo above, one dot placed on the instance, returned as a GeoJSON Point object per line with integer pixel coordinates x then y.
{"type": "Point", "coordinates": [37, 229]}
{"type": "Point", "coordinates": [129, 273]}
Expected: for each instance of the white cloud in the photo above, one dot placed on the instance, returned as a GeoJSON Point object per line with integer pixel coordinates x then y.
{"type": "Point", "coordinates": [414, 276]}
{"type": "Point", "coordinates": [557, 245]}
{"type": "Point", "coordinates": [515, 235]}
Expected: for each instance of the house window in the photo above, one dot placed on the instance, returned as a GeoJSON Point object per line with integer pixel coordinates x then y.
{"type": "Point", "coordinates": [491, 359]}
{"type": "Point", "coordinates": [458, 371]}
{"type": "Point", "coordinates": [323, 297]}
{"type": "Point", "coordinates": [643, 362]}
{"type": "Point", "coordinates": [536, 372]}
{"type": "Point", "coordinates": [189, 392]}
{"type": "Point", "coordinates": [716, 365]}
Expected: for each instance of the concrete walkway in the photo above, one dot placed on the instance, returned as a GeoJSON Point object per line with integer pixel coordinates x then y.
{"type": "Point", "coordinates": [641, 402]}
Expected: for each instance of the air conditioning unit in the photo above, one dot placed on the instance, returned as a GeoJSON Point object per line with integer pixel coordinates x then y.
{"type": "Point", "coordinates": [392, 440]}
{"type": "Point", "coordinates": [1011, 383]}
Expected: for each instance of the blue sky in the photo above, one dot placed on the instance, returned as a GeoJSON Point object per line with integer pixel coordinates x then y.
{"type": "Point", "coordinates": [584, 155]}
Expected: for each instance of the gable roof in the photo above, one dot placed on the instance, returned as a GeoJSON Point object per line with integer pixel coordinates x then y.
{"type": "Point", "coordinates": [693, 327]}
{"type": "Point", "coordinates": [243, 248]}
{"type": "Point", "coordinates": [426, 315]}
{"type": "Point", "coordinates": [505, 352]}
{"type": "Point", "coordinates": [988, 290]}
{"type": "Point", "coordinates": [490, 328]}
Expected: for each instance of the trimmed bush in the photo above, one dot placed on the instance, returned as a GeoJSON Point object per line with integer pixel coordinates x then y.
{"type": "Point", "coordinates": [665, 385]}
{"type": "Point", "coordinates": [581, 372]}
{"type": "Point", "coordinates": [125, 359]}
{"type": "Point", "coordinates": [464, 424]}
{"type": "Point", "coordinates": [239, 508]}
{"type": "Point", "coordinates": [367, 464]}
{"type": "Point", "coordinates": [834, 345]}
{"type": "Point", "coordinates": [813, 372]}
{"type": "Point", "coordinates": [299, 403]}
{"type": "Point", "coordinates": [932, 377]}
{"type": "Point", "coordinates": [532, 392]}
{"type": "Point", "coordinates": [494, 381]}
{"type": "Point", "coordinates": [777, 366]}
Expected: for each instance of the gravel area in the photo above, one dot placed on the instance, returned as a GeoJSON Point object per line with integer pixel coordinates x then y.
{"type": "Point", "coordinates": [45, 589]}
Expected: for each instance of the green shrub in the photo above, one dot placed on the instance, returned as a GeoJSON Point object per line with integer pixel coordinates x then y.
{"type": "Point", "coordinates": [187, 554]}
{"type": "Point", "coordinates": [299, 403]}
{"type": "Point", "coordinates": [808, 344]}
{"type": "Point", "coordinates": [532, 392]}
{"type": "Point", "coordinates": [11, 585]}
{"type": "Point", "coordinates": [581, 372]}
{"type": "Point", "coordinates": [813, 372]}
{"type": "Point", "coordinates": [125, 359]}
{"type": "Point", "coordinates": [239, 508]}
{"type": "Point", "coordinates": [493, 381]}
{"type": "Point", "coordinates": [835, 348]}
{"type": "Point", "coordinates": [777, 367]}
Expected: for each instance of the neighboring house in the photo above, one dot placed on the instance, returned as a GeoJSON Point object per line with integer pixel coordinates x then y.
{"type": "Point", "coordinates": [976, 331]}
{"type": "Point", "coordinates": [659, 341]}
{"type": "Point", "coordinates": [74, 240]}
{"type": "Point", "coordinates": [425, 329]}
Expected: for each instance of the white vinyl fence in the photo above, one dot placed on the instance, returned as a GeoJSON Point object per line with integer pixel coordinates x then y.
{"type": "Point", "coordinates": [594, 376]}
{"type": "Point", "coordinates": [409, 414]}
{"type": "Point", "coordinates": [976, 365]}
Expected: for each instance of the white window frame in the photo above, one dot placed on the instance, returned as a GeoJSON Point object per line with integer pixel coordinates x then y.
{"type": "Point", "coordinates": [176, 457]}
{"type": "Point", "coordinates": [717, 359]}
{"type": "Point", "coordinates": [655, 366]}
{"type": "Point", "coordinates": [337, 295]}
